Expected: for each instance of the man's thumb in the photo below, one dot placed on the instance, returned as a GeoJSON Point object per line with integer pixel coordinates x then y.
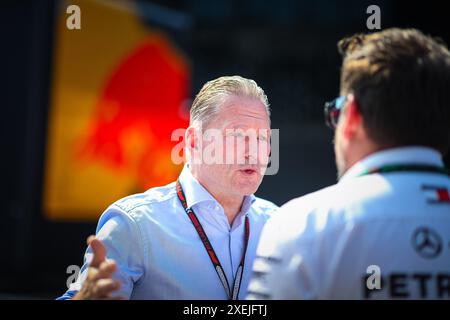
{"type": "Point", "coordinates": [99, 251]}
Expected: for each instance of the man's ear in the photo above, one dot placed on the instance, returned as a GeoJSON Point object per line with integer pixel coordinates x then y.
{"type": "Point", "coordinates": [352, 120]}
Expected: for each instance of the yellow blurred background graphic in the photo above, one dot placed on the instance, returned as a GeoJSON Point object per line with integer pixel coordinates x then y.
{"type": "Point", "coordinates": [118, 90]}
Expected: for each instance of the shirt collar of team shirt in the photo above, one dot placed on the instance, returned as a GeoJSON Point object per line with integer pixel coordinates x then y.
{"type": "Point", "coordinates": [395, 156]}
{"type": "Point", "coordinates": [195, 193]}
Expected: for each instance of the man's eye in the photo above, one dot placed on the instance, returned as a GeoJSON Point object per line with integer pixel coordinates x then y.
{"type": "Point", "coordinates": [262, 138]}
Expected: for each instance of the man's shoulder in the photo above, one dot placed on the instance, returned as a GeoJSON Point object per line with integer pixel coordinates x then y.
{"type": "Point", "coordinates": [315, 201]}
{"type": "Point", "coordinates": [299, 215]}
{"type": "Point", "coordinates": [145, 207]}
{"type": "Point", "coordinates": [152, 197]}
{"type": "Point", "coordinates": [334, 206]}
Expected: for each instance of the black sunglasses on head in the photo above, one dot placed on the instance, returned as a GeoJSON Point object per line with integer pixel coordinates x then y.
{"type": "Point", "coordinates": [332, 111]}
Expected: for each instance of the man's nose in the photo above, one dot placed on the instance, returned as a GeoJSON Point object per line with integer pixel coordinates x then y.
{"type": "Point", "coordinates": [251, 150]}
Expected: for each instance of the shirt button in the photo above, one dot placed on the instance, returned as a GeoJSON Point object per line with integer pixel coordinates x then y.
{"type": "Point", "coordinates": [216, 208]}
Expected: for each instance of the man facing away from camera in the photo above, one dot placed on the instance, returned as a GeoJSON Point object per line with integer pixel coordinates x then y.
{"type": "Point", "coordinates": [194, 238]}
{"type": "Point", "coordinates": [383, 231]}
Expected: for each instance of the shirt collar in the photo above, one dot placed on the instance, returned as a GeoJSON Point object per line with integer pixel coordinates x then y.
{"type": "Point", "coordinates": [247, 203]}
{"type": "Point", "coordinates": [401, 155]}
{"type": "Point", "coordinates": [195, 193]}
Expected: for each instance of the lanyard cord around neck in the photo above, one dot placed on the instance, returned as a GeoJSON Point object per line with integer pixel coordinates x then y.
{"type": "Point", "coordinates": [232, 295]}
{"type": "Point", "coordinates": [407, 168]}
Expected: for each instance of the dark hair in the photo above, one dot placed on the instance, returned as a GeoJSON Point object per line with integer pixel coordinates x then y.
{"type": "Point", "coordinates": [401, 82]}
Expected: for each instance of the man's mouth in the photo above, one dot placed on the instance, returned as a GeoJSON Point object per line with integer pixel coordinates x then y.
{"type": "Point", "coordinates": [248, 171]}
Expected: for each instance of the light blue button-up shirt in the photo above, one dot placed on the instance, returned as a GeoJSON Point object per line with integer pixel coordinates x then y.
{"type": "Point", "coordinates": [160, 255]}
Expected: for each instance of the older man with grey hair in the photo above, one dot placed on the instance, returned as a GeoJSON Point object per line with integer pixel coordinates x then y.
{"type": "Point", "coordinates": [194, 238]}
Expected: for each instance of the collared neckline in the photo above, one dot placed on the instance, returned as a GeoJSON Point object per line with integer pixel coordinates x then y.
{"type": "Point", "coordinates": [395, 156]}
{"type": "Point", "coordinates": [195, 193]}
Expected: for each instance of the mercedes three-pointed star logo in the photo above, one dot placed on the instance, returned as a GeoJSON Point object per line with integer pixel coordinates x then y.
{"type": "Point", "coordinates": [427, 242]}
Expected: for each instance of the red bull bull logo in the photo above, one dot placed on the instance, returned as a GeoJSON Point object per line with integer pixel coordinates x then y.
{"type": "Point", "coordinates": [119, 89]}
{"type": "Point", "coordinates": [140, 106]}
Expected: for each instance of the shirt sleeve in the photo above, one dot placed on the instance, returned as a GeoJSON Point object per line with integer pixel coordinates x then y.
{"type": "Point", "coordinates": [124, 244]}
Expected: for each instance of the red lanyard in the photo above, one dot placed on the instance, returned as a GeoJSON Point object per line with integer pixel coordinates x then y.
{"type": "Point", "coordinates": [210, 250]}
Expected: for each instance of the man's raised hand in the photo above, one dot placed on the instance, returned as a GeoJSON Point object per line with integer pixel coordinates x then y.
{"type": "Point", "coordinates": [98, 283]}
